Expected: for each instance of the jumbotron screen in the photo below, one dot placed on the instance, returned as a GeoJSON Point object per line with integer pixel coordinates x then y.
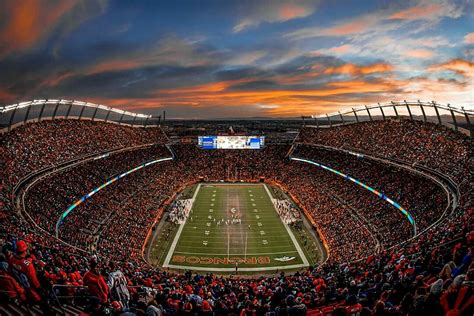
{"type": "Point", "coordinates": [231, 142]}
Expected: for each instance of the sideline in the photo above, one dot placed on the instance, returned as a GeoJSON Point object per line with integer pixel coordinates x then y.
{"type": "Point", "coordinates": [293, 239]}
{"type": "Point", "coordinates": [178, 234]}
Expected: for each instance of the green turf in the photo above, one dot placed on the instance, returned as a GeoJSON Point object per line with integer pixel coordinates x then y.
{"type": "Point", "coordinates": [255, 244]}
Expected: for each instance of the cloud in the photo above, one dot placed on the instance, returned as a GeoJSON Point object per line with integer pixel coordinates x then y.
{"type": "Point", "coordinates": [428, 10]}
{"type": "Point", "coordinates": [294, 99]}
{"type": "Point", "coordinates": [206, 100]}
{"type": "Point", "coordinates": [355, 26]}
{"type": "Point", "coordinates": [469, 38]}
{"type": "Point", "coordinates": [132, 80]}
{"type": "Point", "coordinates": [355, 70]}
{"type": "Point", "coordinates": [84, 10]}
{"type": "Point", "coordinates": [370, 58]}
{"type": "Point", "coordinates": [459, 66]}
{"type": "Point", "coordinates": [384, 20]}
{"type": "Point", "coordinates": [170, 52]}
{"type": "Point", "coordinates": [419, 53]}
{"type": "Point", "coordinates": [247, 58]}
{"type": "Point", "coordinates": [441, 90]}
{"type": "Point", "coordinates": [29, 23]}
{"type": "Point", "coordinates": [340, 49]}
{"type": "Point", "coordinates": [403, 50]}
{"type": "Point", "coordinates": [268, 11]}
{"type": "Point", "coordinates": [7, 96]}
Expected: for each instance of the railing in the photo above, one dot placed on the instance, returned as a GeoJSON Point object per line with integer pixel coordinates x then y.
{"type": "Point", "coordinates": [459, 119]}
{"type": "Point", "coordinates": [79, 295]}
{"type": "Point", "coordinates": [12, 116]}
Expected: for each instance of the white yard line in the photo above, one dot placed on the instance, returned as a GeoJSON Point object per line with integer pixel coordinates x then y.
{"type": "Point", "coordinates": [228, 244]}
{"type": "Point", "coordinates": [223, 250]}
{"type": "Point", "coordinates": [268, 233]}
{"type": "Point", "coordinates": [240, 225]}
{"type": "Point", "coordinates": [178, 234]}
{"type": "Point", "coordinates": [295, 242]}
{"type": "Point", "coordinates": [228, 228]}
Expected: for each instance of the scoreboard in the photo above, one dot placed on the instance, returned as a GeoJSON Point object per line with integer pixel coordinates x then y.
{"type": "Point", "coordinates": [231, 142]}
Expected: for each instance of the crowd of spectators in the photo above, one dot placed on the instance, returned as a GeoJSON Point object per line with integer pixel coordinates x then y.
{"type": "Point", "coordinates": [48, 199]}
{"type": "Point", "coordinates": [35, 145]}
{"type": "Point", "coordinates": [373, 267]}
{"type": "Point", "coordinates": [420, 196]}
{"type": "Point", "coordinates": [428, 144]}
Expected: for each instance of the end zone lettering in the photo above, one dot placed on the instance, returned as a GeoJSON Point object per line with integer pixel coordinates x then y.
{"type": "Point", "coordinates": [218, 260]}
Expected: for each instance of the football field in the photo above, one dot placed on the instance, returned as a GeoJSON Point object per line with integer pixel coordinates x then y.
{"type": "Point", "coordinates": [234, 225]}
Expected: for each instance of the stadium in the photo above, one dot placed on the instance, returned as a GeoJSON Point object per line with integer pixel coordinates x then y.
{"type": "Point", "coordinates": [236, 158]}
{"type": "Point", "coordinates": [355, 206]}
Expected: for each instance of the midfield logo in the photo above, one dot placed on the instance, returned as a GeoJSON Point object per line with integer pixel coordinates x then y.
{"type": "Point", "coordinates": [284, 259]}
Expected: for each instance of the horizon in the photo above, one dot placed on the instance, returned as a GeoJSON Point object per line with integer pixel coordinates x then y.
{"type": "Point", "coordinates": [238, 59]}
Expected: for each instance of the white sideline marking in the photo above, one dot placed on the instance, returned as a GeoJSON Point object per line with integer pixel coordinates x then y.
{"type": "Point", "coordinates": [240, 254]}
{"type": "Point", "coordinates": [300, 252]}
{"type": "Point", "coordinates": [178, 234]}
{"type": "Point", "coordinates": [210, 268]}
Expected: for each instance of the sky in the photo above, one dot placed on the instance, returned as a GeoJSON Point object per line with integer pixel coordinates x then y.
{"type": "Point", "coordinates": [215, 59]}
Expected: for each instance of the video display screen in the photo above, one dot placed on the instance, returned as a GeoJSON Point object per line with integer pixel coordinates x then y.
{"type": "Point", "coordinates": [231, 142]}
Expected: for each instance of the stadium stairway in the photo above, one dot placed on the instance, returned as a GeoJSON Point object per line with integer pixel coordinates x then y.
{"type": "Point", "coordinates": [13, 309]}
{"type": "Point", "coordinates": [17, 310]}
